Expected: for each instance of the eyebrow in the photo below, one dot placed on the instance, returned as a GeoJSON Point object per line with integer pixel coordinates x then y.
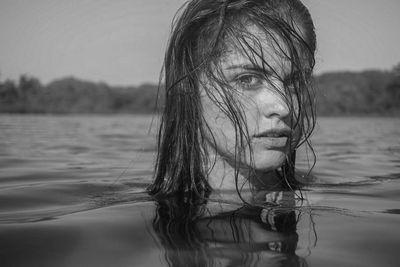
{"type": "Point", "coordinates": [251, 67]}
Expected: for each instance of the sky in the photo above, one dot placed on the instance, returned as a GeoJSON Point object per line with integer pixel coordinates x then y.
{"type": "Point", "coordinates": [122, 42]}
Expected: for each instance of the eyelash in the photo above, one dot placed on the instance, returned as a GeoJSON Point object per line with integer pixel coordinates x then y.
{"type": "Point", "coordinates": [255, 82]}
{"type": "Point", "coordinates": [290, 82]}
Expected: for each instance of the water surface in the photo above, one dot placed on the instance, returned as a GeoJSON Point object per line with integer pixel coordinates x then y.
{"type": "Point", "coordinates": [72, 194]}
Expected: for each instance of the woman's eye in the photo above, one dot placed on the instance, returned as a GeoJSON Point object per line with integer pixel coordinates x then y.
{"type": "Point", "coordinates": [290, 86]}
{"type": "Point", "coordinates": [248, 81]}
{"type": "Point", "coordinates": [292, 83]}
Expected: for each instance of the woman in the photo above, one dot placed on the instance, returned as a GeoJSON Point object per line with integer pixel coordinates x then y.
{"type": "Point", "coordinates": [239, 99]}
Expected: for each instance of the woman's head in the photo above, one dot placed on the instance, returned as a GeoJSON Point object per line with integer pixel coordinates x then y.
{"type": "Point", "coordinates": [237, 80]}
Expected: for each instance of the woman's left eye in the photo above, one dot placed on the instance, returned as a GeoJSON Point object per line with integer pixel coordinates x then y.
{"type": "Point", "coordinates": [248, 81]}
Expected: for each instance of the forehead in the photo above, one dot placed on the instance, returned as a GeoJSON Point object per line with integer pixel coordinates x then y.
{"type": "Point", "coordinates": [256, 47]}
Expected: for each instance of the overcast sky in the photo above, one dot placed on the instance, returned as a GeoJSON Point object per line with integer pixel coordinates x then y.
{"type": "Point", "coordinates": [122, 42]}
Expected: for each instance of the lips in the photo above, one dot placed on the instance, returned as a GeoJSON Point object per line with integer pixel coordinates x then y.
{"type": "Point", "coordinates": [272, 138]}
{"type": "Point", "coordinates": [274, 133]}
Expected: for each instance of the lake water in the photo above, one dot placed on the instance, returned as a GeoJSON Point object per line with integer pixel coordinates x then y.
{"type": "Point", "coordinates": [72, 194]}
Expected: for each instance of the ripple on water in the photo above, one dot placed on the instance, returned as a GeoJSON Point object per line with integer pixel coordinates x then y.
{"type": "Point", "coordinates": [50, 200]}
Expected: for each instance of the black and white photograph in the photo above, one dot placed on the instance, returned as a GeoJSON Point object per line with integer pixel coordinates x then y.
{"type": "Point", "coordinates": [199, 133]}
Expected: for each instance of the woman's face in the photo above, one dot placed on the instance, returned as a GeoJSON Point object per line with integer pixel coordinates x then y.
{"type": "Point", "coordinates": [260, 95]}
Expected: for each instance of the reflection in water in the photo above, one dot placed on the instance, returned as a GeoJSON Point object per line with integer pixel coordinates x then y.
{"type": "Point", "coordinates": [194, 235]}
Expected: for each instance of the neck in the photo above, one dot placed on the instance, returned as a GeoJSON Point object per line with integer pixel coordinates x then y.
{"type": "Point", "coordinates": [222, 178]}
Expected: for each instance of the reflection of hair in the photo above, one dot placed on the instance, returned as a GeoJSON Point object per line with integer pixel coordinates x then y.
{"type": "Point", "coordinates": [200, 36]}
{"type": "Point", "coordinates": [174, 225]}
{"type": "Point", "coordinates": [240, 237]}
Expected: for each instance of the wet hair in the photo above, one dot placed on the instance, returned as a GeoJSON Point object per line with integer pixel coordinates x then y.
{"type": "Point", "coordinates": [192, 236]}
{"type": "Point", "coordinates": [203, 31]}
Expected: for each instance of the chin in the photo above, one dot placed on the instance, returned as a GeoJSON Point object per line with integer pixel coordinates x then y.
{"type": "Point", "coordinates": [268, 160]}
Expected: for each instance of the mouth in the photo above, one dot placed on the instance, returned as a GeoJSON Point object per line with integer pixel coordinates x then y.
{"type": "Point", "coordinates": [274, 133]}
{"type": "Point", "coordinates": [276, 138]}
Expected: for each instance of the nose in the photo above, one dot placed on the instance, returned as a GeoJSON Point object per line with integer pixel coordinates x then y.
{"type": "Point", "coordinates": [272, 103]}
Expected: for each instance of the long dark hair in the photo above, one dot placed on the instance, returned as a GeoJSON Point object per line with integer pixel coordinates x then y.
{"type": "Point", "coordinates": [191, 235]}
{"type": "Point", "coordinates": [201, 31]}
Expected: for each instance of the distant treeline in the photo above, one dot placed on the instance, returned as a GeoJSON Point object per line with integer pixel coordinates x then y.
{"type": "Point", "coordinates": [362, 93]}
{"type": "Point", "coordinates": [345, 93]}
{"type": "Point", "coordinates": [70, 95]}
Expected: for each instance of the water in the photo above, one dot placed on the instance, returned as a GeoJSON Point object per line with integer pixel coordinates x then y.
{"type": "Point", "coordinates": [72, 194]}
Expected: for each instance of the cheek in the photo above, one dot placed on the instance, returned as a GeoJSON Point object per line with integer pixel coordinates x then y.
{"type": "Point", "coordinates": [247, 116]}
{"type": "Point", "coordinates": [222, 137]}
{"type": "Point", "coordinates": [220, 131]}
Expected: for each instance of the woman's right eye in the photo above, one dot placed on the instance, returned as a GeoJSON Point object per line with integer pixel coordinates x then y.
{"type": "Point", "coordinates": [248, 81]}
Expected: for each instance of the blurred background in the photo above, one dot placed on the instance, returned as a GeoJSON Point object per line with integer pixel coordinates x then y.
{"type": "Point", "coordinates": [102, 56]}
